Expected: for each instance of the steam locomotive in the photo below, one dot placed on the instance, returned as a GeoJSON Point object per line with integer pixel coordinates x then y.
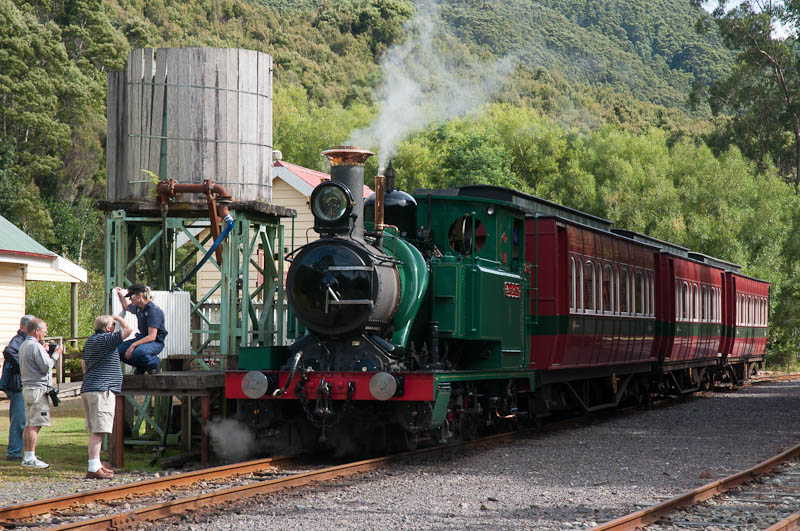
{"type": "Point", "coordinates": [475, 308]}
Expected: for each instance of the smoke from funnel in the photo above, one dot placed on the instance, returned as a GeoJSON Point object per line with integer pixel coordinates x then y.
{"type": "Point", "coordinates": [426, 80]}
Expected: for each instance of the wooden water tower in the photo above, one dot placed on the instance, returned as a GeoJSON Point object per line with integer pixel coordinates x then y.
{"type": "Point", "coordinates": [196, 114]}
{"type": "Point", "coordinates": [191, 114]}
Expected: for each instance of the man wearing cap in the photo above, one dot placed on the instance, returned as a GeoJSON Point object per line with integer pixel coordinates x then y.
{"type": "Point", "coordinates": [142, 351]}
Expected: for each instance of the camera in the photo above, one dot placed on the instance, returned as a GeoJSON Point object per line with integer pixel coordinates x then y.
{"type": "Point", "coordinates": [51, 348]}
{"type": "Point", "coordinates": [53, 394]}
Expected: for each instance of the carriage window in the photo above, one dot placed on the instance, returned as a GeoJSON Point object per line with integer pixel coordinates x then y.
{"type": "Point", "coordinates": [645, 294]}
{"type": "Point", "coordinates": [695, 303]}
{"type": "Point", "coordinates": [516, 237]}
{"type": "Point", "coordinates": [713, 308]}
{"type": "Point", "coordinates": [739, 309]}
{"type": "Point", "coordinates": [766, 311]}
{"type": "Point", "coordinates": [588, 287]}
{"type": "Point", "coordinates": [652, 295]}
{"type": "Point", "coordinates": [572, 284]}
{"type": "Point", "coordinates": [607, 281]}
{"type": "Point", "coordinates": [686, 309]}
{"type": "Point", "coordinates": [638, 293]}
{"type": "Point", "coordinates": [703, 304]}
{"type": "Point", "coordinates": [678, 309]}
{"type": "Point", "coordinates": [623, 290]}
{"type": "Point", "coordinates": [579, 285]}
{"type": "Point", "coordinates": [460, 235]}
{"type": "Point", "coordinates": [746, 309]}
{"type": "Point", "coordinates": [758, 311]}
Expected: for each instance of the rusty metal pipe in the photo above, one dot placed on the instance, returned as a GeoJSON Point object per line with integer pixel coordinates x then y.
{"type": "Point", "coordinates": [169, 188]}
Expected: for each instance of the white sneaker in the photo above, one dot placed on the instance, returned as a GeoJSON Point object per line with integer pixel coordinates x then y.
{"type": "Point", "coordinates": [34, 463]}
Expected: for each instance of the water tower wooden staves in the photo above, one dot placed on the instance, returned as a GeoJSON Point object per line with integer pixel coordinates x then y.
{"type": "Point", "coordinates": [197, 115]}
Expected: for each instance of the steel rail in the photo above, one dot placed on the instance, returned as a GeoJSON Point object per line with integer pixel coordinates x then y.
{"type": "Point", "coordinates": [652, 514]}
{"type": "Point", "coordinates": [25, 510]}
{"type": "Point", "coordinates": [39, 507]}
{"type": "Point", "coordinates": [29, 509]}
{"type": "Point", "coordinates": [162, 510]}
{"type": "Point", "coordinates": [790, 523]}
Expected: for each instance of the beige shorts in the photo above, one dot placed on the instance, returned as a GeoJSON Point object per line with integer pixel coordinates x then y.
{"type": "Point", "coordinates": [99, 407]}
{"type": "Point", "coordinates": [37, 407]}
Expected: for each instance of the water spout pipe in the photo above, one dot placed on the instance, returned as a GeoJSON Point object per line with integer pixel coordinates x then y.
{"type": "Point", "coordinates": [228, 220]}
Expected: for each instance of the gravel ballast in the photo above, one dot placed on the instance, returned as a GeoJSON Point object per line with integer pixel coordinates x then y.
{"type": "Point", "coordinates": [573, 478]}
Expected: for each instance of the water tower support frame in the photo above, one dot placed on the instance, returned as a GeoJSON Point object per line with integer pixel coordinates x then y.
{"type": "Point", "coordinates": [135, 253]}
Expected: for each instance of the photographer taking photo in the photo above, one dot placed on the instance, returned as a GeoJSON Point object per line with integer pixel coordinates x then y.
{"type": "Point", "coordinates": [36, 366]}
{"type": "Point", "coordinates": [102, 382]}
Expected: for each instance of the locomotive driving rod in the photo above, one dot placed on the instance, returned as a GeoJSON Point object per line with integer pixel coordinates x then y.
{"type": "Point", "coordinates": [167, 189]}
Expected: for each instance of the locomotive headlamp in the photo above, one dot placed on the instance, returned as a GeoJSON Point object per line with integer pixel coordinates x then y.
{"type": "Point", "coordinates": [331, 202]}
{"type": "Point", "coordinates": [255, 384]}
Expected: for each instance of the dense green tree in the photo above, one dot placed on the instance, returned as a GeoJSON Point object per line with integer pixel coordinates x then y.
{"type": "Point", "coordinates": [51, 301]}
{"type": "Point", "coordinates": [760, 94]}
{"type": "Point", "coordinates": [304, 129]}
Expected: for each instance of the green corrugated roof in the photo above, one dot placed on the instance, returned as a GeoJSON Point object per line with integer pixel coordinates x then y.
{"type": "Point", "coordinates": [13, 239]}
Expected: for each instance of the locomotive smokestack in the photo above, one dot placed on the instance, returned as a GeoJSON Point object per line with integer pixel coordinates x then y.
{"type": "Point", "coordinates": [347, 167]}
{"type": "Point", "coordinates": [389, 173]}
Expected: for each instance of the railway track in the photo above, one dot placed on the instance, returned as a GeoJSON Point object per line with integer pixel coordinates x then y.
{"type": "Point", "coordinates": [144, 500]}
{"type": "Point", "coordinates": [75, 503]}
{"type": "Point", "coordinates": [762, 497]}
{"type": "Point", "coordinates": [158, 498]}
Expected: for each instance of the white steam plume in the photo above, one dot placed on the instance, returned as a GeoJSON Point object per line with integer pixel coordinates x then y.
{"type": "Point", "coordinates": [231, 440]}
{"type": "Point", "coordinates": [425, 80]}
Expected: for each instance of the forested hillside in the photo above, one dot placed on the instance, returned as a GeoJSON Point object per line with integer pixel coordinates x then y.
{"type": "Point", "coordinates": [604, 106]}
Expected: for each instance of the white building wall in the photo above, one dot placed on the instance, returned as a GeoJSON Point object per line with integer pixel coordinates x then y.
{"type": "Point", "coordinates": [12, 307]}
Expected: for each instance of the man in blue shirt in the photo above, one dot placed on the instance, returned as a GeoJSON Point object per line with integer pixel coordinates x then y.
{"type": "Point", "coordinates": [12, 385]}
{"type": "Point", "coordinates": [142, 351]}
{"type": "Point", "coordinates": [102, 381]}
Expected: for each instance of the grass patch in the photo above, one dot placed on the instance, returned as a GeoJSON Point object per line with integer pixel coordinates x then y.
{"type": "Point", "coordinates": [64, 446]}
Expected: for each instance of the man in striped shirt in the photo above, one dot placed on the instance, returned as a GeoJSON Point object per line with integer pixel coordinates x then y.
{"type": "Point", "coordinates": [102, 381]}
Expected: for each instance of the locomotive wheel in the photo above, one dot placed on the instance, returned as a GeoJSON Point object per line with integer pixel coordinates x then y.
{"type": "Point", "coordinates": [410, 441]}
{"type": "Point", "coordinates": [469, 426]}
{"type": "Point", "coordinates": [401, 440]}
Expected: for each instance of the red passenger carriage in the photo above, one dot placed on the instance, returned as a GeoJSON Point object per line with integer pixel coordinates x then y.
{"type": "Point", "coordinates": [746, 320]}
{"type": "Point", "coordinates": [596, 308]}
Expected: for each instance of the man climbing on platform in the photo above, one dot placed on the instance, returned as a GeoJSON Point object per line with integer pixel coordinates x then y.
{"type": "Point", "coordinates": [142, 351]}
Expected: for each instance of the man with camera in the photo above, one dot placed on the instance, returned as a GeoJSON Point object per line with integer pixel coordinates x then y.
{"type": "Point", "coordinates": [36, 366]}
{"type": "Point", "coordinates": [11, 383]}
{"type": "Point", "coordinates": [102, 381]}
